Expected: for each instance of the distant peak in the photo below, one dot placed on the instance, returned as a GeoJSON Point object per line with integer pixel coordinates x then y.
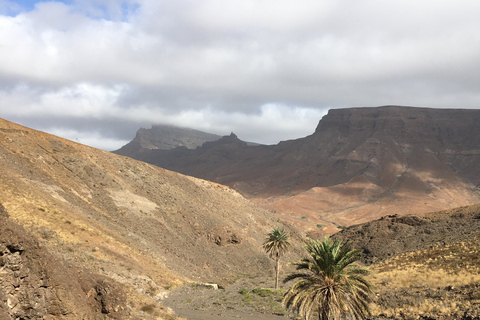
{"type": "Point", "coordinates": [231, 137]}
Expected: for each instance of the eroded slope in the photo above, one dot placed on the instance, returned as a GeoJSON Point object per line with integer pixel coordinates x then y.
{"type": "Point", "coordinates": [138, 224]}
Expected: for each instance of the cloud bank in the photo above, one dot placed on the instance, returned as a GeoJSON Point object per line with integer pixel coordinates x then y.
{"type": "Point", "coordinates": [97, 70]}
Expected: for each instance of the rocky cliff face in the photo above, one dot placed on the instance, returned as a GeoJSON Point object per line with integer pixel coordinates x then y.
{"type": "Point", "coordinates": [433, 140]}
{"type": "Point", "coordinates": [36, 285]}
{"type": "Point", "coordinates": [359, 164]}
{"type": "Point", "coordinates": [165, 137]}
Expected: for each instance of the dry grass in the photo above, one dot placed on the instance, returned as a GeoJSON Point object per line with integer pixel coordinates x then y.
{"type": "Point", "coordinates": [441, 280]}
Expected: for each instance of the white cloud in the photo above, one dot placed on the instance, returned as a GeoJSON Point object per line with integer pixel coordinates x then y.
{"type": "Point", "coordinates": [80, 101]}
{"type": "Point", "coordinates": [272, 124]}
{"type": "Point", "coordinates": [261, 67]}
{"type": "Point", "coordinates": [89, 138]}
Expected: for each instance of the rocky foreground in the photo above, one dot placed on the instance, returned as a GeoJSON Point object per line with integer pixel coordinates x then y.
{"type": "Point", "coordinates": [36, 285]}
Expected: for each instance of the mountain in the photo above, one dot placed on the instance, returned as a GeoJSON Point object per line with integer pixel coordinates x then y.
{"type": "Point", "coordinates": [143, 227]}
{"type": "Point", "coordinates": [165, 137]}
{"type": "Point", "coordinates": [358, 165]}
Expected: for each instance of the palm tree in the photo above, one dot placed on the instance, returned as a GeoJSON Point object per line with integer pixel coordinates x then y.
{"type": "Point", "coordinates": [275, 246]}
{"type": "Point", "coordinates": [329, 282]}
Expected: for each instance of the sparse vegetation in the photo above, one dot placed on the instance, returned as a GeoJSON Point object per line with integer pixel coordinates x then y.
{"type": "Point", "coordinates": [441, 281]}
{"type": "Point", "coordinates": [263, 299]}
{"type": "Point", "coordinates": [243, 291]}
{"type": "Point", "coordinates": [72, 211]}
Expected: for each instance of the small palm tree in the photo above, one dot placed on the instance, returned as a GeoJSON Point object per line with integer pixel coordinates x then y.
{"type": "Point", "coordinates": [329, 283]}
{"type": "Point", "coordinates": [275, 246]}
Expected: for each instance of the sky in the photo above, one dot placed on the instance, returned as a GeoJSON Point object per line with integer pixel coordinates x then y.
{"type": "Point", "coordinates": [95, 71]}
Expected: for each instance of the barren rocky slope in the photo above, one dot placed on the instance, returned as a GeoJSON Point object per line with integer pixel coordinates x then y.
{"type": "Point", "coordinates": [142, 226]}
{"type": "Point", "coordinates": [359, 165]}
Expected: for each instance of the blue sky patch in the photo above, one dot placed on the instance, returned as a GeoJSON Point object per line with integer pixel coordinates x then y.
{"type": "Point", "coordinates": [12, 8]}
{"type": "Point", "coordinates": [119, 11]}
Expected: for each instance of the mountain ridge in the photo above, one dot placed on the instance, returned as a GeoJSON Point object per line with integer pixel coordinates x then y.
{"type": "Point", "coordinates": [358, 160]}
{"type": "Point", "coordinates": [166, 137]}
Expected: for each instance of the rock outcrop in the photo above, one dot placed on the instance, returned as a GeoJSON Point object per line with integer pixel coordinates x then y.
{"type": "Point", "coordinates": [36, 285]}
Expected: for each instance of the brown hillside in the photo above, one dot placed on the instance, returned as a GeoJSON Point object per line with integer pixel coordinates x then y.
{"type": "Point", "coordinates": [359, 165]}
{"type": "Point", "coordinates": [143, 226]}
{"type": "Point", "coordinates": [425, 266]}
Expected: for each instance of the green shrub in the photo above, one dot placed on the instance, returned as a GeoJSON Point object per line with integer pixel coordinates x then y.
{"type": "Point", "coordinates": [243, 291]}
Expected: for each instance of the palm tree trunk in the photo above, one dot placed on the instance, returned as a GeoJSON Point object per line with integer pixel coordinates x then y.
{"type": "Point", "coordinates": [322, 315]}
{"type": "Point", "coordinates": [277, 272]}
{"type": "Point", "coordinates": [324, 311]}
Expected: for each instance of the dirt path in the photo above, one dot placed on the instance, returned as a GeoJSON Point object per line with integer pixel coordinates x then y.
{"type": "Point", "coordinates": [246, 299]}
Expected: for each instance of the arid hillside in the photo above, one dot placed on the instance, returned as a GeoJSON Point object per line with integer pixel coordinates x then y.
{"type": "Point", "coordinates": [425, 266]}
{"type": "Point", "coordinates": [360, 164]}
{"type": "Point", "coordinates": [145, 227]}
